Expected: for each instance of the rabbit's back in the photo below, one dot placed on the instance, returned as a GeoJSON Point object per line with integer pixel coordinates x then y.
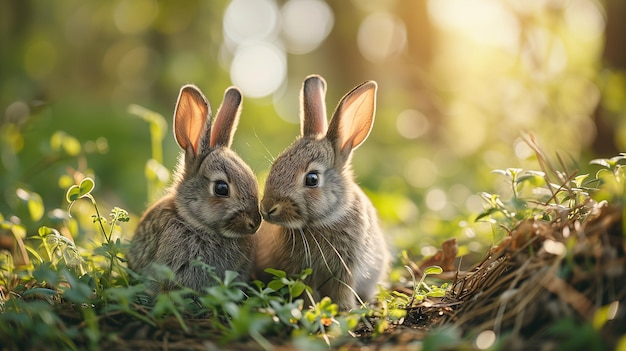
{"type": "Point", "coordinates": [154, 222]}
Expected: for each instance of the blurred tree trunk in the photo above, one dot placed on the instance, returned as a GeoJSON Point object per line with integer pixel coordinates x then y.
{"type": "Point", "coordinates": [614, 58]}
{"type": "Point", "coordinates": [347, 62]}
{"type": "Point", "coordinates": [409, 70]}
{"type": "Point", "coordinates": [415, 74]}
{"type": "Point", "coordinates": [15, 21]}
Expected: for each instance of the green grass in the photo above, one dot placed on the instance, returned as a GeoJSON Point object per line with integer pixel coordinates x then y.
{"type": "Point", "coordinates": [65, 285]}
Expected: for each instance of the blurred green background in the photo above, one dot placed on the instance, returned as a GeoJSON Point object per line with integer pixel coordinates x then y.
{"type": "Point", "coordinates": [460, 81]}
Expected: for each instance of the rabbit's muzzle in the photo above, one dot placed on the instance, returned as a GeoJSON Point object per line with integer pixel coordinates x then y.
{"type": "Point", "coordinates": [283, 212]}
{"type": "Point", "coordinates": [245, 222]}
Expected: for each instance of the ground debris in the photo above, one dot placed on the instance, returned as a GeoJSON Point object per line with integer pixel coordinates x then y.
{"type": "Point", "coordinates": [545, 272]}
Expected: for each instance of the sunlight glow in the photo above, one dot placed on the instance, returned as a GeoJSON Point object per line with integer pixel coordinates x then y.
{"type": "Point", "coordinates": [412, 124]}
{"type": "Point", "coordinates": [428, 250]}
{"type": "Point", "coordinates": [436, 199]}
{"type": "Point", "coordinates": [305, 24]}
{"type": "Point", "coordinates": [484, 21]}
{"type": "Point", "coordinates": [258, 68]}
{"type": "Point", "coordinates": [485, 339]}
{"type": "Point", "coordinates": [545, 55]}
{"type": "Point", "coordinates": [250, 20]}
{"type": "Point", "coordinates": [381, 35]}
{"type": "Point", "coordinates": [584, 18]}
{"type": "Point", "coordinates": [420, 172]}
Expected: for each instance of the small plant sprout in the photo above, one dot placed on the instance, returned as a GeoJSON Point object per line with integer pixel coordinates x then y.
{"type": "Point", "coordinates": [421, 290]}
{"type": "Point", "coordinates": [293, 286]}
{"type": "Point", "coordinates": [83, 191]}
{"type": "Point", "coordinates": [111, 250]}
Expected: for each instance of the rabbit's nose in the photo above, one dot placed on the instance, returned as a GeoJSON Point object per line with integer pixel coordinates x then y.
{"type": "Point", "coordinates": [272, 212]}
{"type": "Point", "coordinates": [252, 220]}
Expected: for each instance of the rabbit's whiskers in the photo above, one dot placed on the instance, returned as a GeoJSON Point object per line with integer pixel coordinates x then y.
{"type": "Point", "coordinates": [307, 248]}
{"type": "Point", "coordinates": [241, 253]}
{"type": "Point", "coordinates": [269, 157]}
{"type": "Point", "coordinates": [343, 262]}
{"type": "Point", "coordinates": [321, 251]}
{"type": "Point", "coordinates": [293, 242]}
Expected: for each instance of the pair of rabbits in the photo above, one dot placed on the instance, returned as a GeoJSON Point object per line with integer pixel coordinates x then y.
{"type": "Point", "coordinates": [315, 215]}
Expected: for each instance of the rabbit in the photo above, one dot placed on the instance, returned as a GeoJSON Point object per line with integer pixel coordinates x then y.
{"type": "Point", "coordinates": [212, 208]}
{"type": "Point", "coordinates": [315, 215]}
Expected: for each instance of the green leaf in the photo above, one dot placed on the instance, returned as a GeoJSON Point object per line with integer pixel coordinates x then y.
{"type": "Point", "coordinates": [229, 277]}
{"type": "Point", "coordinates": [78, 291]}
{"type": "Point", "coordinates": [43, 231]}
{"type": "Point", "coordinates": [35, 207]}
{"type": "Point", "coordinates": [33, 202]}
{"type": "Point", "coordinates": [63, 141]}
{"type": "Point", "coordinates": [81, 190]}
{"type": "Point", "coordinates": [436, 293]}
{"type": "Point", "coordinates": [533, 178]}
{"type": "Point", "coordinates": [275, 285]}
{"type": "Point", "coordinates": [298, 288]}
{"type": "Point", "coordinates": [580, 179]}
{"type": "Point", "coordinates": [276, 272]}
{"type": "Point", "coordinates": [499, 171]}
{"type": "Point", "coordinates": [487, 213]}
{"type": "Point", "coordinates": [71, 146]}
{"type": "Point", "coordinates": [433, 270]}
{"type": "Point", "coordinates": [86, 186]}
{"type": "Point", "coordinates": [45, 273]}
{"type": "Point", "coordinates": [72, 194]}
{"type": "Point", "coordinates": [600, 161]}
{"type": "Point", "coordinates": [40, 291]}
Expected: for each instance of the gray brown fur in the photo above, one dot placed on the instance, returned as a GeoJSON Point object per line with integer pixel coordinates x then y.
{"type": "Point", "coordinates": [191, 221]}
{"type": "Point", "coordinates": [332, 228]}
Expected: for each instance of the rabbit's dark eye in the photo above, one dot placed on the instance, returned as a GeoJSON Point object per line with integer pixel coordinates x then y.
{"type": "Point", "coordinates": [220, 188]}
{"type": "Point", "coordinates": [312, 179]}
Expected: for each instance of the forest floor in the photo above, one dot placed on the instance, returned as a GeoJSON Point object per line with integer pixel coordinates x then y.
{"type": "Point", "coordinates": [528, 289]}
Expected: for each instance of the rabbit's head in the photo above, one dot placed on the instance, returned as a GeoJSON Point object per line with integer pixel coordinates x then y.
{"type": "Point", "coordinates": [311, 182]}
{"type": "Point", "coordinates": [215, 189]}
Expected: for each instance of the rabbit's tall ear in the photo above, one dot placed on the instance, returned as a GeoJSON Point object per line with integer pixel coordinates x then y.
{"type": "Point", "coordinates": [227, 118]}
{"type": "Point", "coordinates": [353, 118]}
{"type": "Point", "coordinates": [192, 120]}
{"type": "Point", "coordinates": [313, 121]}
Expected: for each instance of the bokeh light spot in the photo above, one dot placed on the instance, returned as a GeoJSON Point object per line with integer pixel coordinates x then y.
{"type": "Point", "coordinates": [381, 35]}
{"type": "Point", "coordinates": [305, 24]}
{"type": "Point", "coordinates": [412, 124]}
{"type": "Point", "coordinates": [585, 19]}
{"type": "Point", "coordinates": [250, 19]}
{"type": "Point", "coordinates": [522, 150]}
{"type": "Point", "coordinates": [436, 199]}
{"type": "Point", "coordinates": [474, 204]}
{"type": "Point", "coordinates": [420, 172]}
{"type": "Point", "coordinates": [258, 68]}
{"type": "Point", "coordinates": [485, 339]}
{"type": "Point", "coordinates": [428, 250]}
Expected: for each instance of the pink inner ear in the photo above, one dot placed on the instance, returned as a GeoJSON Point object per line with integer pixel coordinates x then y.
{"type": "Point", "coordinates": [357, 117]}
{"type": "Point", "coordinates": [189, 119]}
